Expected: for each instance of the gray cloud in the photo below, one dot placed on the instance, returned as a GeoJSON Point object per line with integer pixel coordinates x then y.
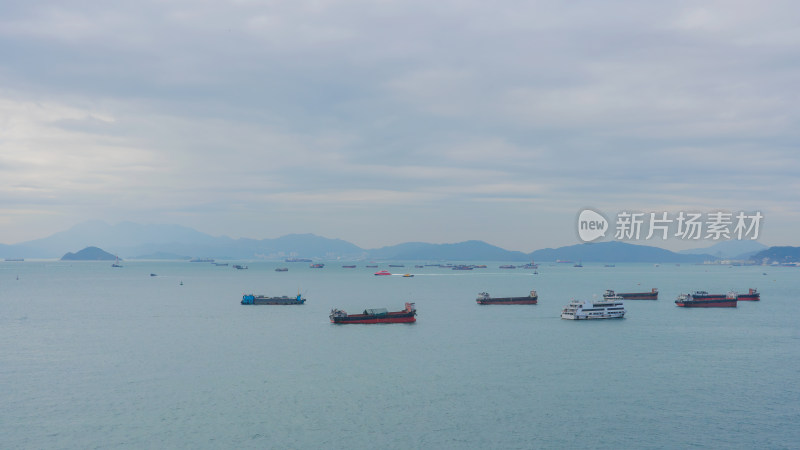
{"type": "Point", "coordinates": [387, 115]}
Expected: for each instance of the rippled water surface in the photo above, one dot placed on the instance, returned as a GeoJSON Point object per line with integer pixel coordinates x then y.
{"type": "Point", "coordinates": [93, 356]}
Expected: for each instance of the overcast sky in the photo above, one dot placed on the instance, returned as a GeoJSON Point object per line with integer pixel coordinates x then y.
{"type": "Point", "coordinates": [382, 122]}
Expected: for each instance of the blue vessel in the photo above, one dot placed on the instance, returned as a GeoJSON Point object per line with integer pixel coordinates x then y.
{"type": "Point", "coordinates": [250, 299]}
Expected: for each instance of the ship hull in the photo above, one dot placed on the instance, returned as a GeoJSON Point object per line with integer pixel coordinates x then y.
{"type": "Point", "coordinates": [639, 296]}
{"type": "Point", "coordinates": [261, 300]}
{"type": "Point", "coordinates": [595, 317]}
{"type": "Point", "coordinates": [508, 301]}
{"type": "Point", "coordinates": [368, 319]}
{"type": "Point", "coordinates": [714, 303]}
{"type": "Point", "coordinates": [749, 298]}
{"type": "Point", "coordinates": [276, 302]}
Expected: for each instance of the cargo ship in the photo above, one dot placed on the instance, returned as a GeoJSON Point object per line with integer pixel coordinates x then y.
{"type": "Point", "coordinates": [611, 308]}
{"type": "Point", "coordinates": [485, 299]}
{"type": "Point", "coordinates": [376, 315]}
{"type": "Point", "coordinates": [652, 295]}
{"type": "Point", "coordinates": [752, 295]}
{"type": "Point", "coordinates": [317, 266]}
{"type": "Point", "coordinates": [702, 299]}
{"type": "Point", "coordinates": [250, 299]}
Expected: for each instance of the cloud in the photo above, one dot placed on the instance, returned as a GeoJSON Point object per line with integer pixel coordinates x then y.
{"type": "Point", "coordinates": [208, 112]}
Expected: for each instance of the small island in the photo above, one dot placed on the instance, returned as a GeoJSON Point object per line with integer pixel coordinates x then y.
{"type": "Point", "coordinates": [89, 254]}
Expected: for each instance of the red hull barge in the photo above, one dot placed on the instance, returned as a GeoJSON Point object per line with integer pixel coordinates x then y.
{"type": "Point", "coordinates": [752, 296]}
{"type": "Point", "coordinates": [485, 299]}
{"type": "Point", "coordinates": [702, 299]}
{"type": "Point", "coordinates": [380, 315]}
{"type": "Point", "coordinates": [652, 295]}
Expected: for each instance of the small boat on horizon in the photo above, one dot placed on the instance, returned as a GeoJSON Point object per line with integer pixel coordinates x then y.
{"type": "Point", "coordinates": [209, 260]}
{"type": "Point", "coordinates": [282, 269]}
{"type": "Point", "coordinates": [383, 272]}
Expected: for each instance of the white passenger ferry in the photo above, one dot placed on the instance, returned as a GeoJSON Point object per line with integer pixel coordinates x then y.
{"type": "Point", "coordinates": [607, 308]}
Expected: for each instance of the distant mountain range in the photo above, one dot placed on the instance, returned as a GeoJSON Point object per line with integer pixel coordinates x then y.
{"type": "Point", "coordinates": [734, 249]}
{"type": "Point", "coordinates": [135, 241]}
{"type": "Point", "coordinates": [778, 254]}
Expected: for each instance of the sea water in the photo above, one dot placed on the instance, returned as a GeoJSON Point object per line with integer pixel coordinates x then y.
{"type": "Point", "coordinates": [98, 357]}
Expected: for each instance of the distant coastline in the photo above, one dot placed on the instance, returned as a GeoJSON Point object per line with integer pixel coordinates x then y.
{"type": "Point", "coordinates": [135, 241]}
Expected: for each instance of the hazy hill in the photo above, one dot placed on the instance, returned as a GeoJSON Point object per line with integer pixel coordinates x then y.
{"type": "Point", "coordinates": [614, 252]}
{"type": "Point", "coordinates": [89, 254]}
{"type": "Point", "coordinates": [778, 254]}
{"type": "Point", "coordinates": [462, 251]}
{"type": "Point", "coordinates": [131, 240]}
{"type": "Point", "coordinates": [729, 249]}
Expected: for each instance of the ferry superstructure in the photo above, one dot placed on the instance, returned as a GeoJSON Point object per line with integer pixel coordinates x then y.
{"type": "Point", "coordinates": [607, 308]}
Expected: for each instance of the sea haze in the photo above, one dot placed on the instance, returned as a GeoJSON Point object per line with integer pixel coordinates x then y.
{"type": "Point", "coordinates": [95, 356]}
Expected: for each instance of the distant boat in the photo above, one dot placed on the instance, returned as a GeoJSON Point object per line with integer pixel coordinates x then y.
{"type": "Point", "coordinates": [250, 299]}
{"type": "Point", "coordinates": [752, 295]}
{"type": "Point", "coordinates": [220, 264]}
{"type": "Point", "coordinates": [396, 265]}
{"type": "Point", "coordinates": [153, 275]}
{"type": "Point", "coordinates": [408, 275]}
{"type": "Point", "coordinates": [282, 269]}
{"type": "Point", "coordinates": [376, 315]}
{"type": "Point", "coordinates": [371, 266]}
{"type": "Point", "coordinates": [652, 295]}
{"type": "Point", "coordinates": [383, 272]}
{"type": "Point", "coordinates": [209, 260]}
{"type": "Point", "coordinates": [297, 260]}
{"type": "Point", "coordinates": [116, 263]}
{"type": "Point", "coordinates": [578, 265]}
{"type": "Point", "coordinates": [607, 308]}
{"type": "Point", "coordinates": [485, 299]}
{"type": "Point", "coordinates": [15, 259]}
{"type": "Point", "coordinates": [702, 299]}
{"type": "Point", "coordinates": [348, 267]}
{"type": "Point", "coordinates": [317, 266]}
{"type": "Point", "coordinates": [239, 267]}
{"type": "Point", "coordinates": [508, 266]}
